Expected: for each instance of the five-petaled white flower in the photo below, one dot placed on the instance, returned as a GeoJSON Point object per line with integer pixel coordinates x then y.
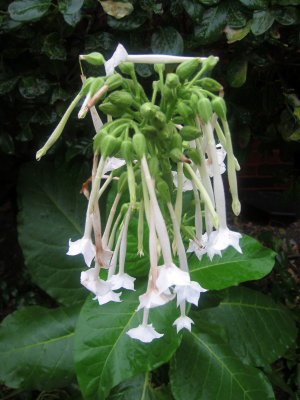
{"type": "Point", "coordinates": [198, 246]}
{"type": "Point", "coordinates": [221, 239]}
{"type": "Point", "coordinates": [189, 293]}
{"type": "Point", "coordinates": [145, 333]}
{"type": "Point", "coordinates": [183, 322]}
{"type": "Point", "coordinates": [170, 275]}
{"type": "Point", "coordinates": [83, 246]}
{"type": "Point", "coordinates": [152, 298]}
{"type": "Point", "coordinates": [122, 280]}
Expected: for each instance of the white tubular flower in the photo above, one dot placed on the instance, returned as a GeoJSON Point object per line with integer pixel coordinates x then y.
{"type": "Point", "coordinates": [120, 55]}
{"type": "Point", "coordinates": [186, 184]}
{"type": "Point", "coordinates": [106, 255]}
{"type": "Point", "coordinates": [170, 275]}
{"type": "Point", "coordinates": [83, 246]}
{"type": "Point", "coordinates": [112, 163]}
{"type": "Point", "coordinates": [221, 239]}
{"type": "Point", "coordinates": [183, 322]}
{"type": "Point", "coordinates": [221, 154]}
{"type": "Point", "coordinates": [189, 293]}
{"type": "Point", "coordinates": [144, 333]}
{"type": "Point", "coordinates": [122, 280]}
{"type": "Point", "coordinates": [198, 246]}
{"type": "Point", "coordinates": [107, 297]}
{"type": "Point", "coordinates": [153, 299]}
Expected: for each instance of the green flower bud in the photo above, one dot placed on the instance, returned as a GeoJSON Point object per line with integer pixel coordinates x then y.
{"type": "Point", "coordinates": [111, 109]}
{"type": "Point", "coordinates": [147, 110]}
{"type": "Point", "coordinates": [186, 69]}
{"type": "Point", "coordinates": [184, 110]}
{"type": "Point", "coordinates": [86, 86]}
{"type": "Point", "coordinates": [159, 68]}
{"type": "Point", "coordinates": [127, 68]}
{"type": "Point", "coordinates": [109, 145]}
{"type": "Point", "coordinates": [219, 107]}
{"type": "Point", "coordinates": [120, 98]}
{"type": "Point", "coordinates": [194, 156]}
{"type": "Point", "coordinates": [175, 155]}
{"type": "Point", "coordinates": [209, 84]}
{"type": "Point", "coordinates": [114, 81]}
{"type": "Point", "coordinates": [184, 94]}
{"type": "Point", "coordinates": [98, 140]}
{"type": "Point", "coordinates": [205, 110]}
{"type": "Point", "coordinates": [190, 133]}
{"type": "Point", "coordinates": [210, 62]}
{"type": "Point", "coordinates": [163, 190]}
{"type": "Point", "coordinates": [176, 141]}
{"type": "Point", "coordinates": [96, 85]}
{"type": "Point", "coordinates": [122, 183]}
{"type": "Point", "coordinates": [154, 166]}
{"type": "Point", "coordinates": [149, 131]}
{"type": "Point", "coordinates": [159, 120]}
{"type": "Point", "coordinates": [139, 144]}
{"type": "Point", "coordinates": [172, 81]}
{"type": "Point", "coordinates": [127, 150]}
{"type": "Point", "coordinates": [93, 58]}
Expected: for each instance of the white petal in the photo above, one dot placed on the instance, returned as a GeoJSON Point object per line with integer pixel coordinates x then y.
{"type": "Point", "coordinates": [90, 279]}
{"type": "Point", "coordinates": [83, 246]}
{"type": "Point", "coordinates": [153, 299]}
{"type": "Point", "coordinates": [122, 280]}
{"type": "Point", "coordinates": [106, 255]}
{"type": "Point", "coordinates": [169, 276]}
{"type": "Point", "coordinates": [189, 293]}
{"type": "Point", "coordinates": [119, 56]}
{"type": "Point", "coordinates": [144, 333]}
{"type": "Point", "coordinates": [221, 239]}
{"type": "Point", "coordinates": [183, 322]}
{"type": "Point", "coordinates": [109, 296]}
{"type": "Point", "coordinates": [186, 183]}
{"type": "Point", "coordinates": [221, 154]}
{"type": "Point", "coordinates": [112, 163]}
{"type": "Point", "coordinates": [198, 247]}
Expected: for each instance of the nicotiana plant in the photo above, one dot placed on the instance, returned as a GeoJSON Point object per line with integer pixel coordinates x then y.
{"type": "Point", "coordinates": [155, 237]}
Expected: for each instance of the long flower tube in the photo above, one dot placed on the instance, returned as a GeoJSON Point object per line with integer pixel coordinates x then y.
{"type": "Point", "coordinates": [110, 219]}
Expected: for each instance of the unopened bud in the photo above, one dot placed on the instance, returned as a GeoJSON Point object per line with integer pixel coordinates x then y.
{"type": "Point", "coordinates": [219, 107]}
{"type": "Point", "coordinates": [120, 98]}
{"type": "Point", "coordinates": [159, 120]}
{"type": "Point", "coordinates": [114, 81]}
{"type": "Point", "coordinates": [186, 69]}
{"type": "Point", "coordinates": [209, 84]}
{"type": "Point", "coordinates": [190, 133]}
{"type": "Point", "coordinates": [122, 182]}
{"type": "Point", "coordinates": [94, 58]}
{"type": "Point", "coordinates": [154, 166]}
{"type": "Point", "coordinates": [205, 110]}
{"type": "Point", "coordinates": [172, 81]}
{"type": "Point", "coordinates": [163, 190]}
{"type": "Point", "coordinates": [139, 144]}
{"type": "Point", "coordinates": [109, 145]}
{"type": "Point", "coordinates": [127, 68]}
{"type": "Point", "coordinates": [127, 150]}
{"type": "Point", "coordinates": [176, 141]}
{"type": "Point", "coordinates": [184, 110]}
{"type": "Point", "coordinates": [194, 156]}
{"type": "Point", "coordinates": [111, 109]}
{"type": "Point", "coordinates": [147, 110]}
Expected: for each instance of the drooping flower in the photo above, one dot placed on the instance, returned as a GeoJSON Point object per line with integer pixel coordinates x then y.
{"type": "Point", "coordinates": [183, 322]}
{"type": "Point", "coordinates": [120, 55]}
{"type": "Point", "coordinates": [170, 275]}
{"type": "Point", "coordinates": [144, 333]}
{"type": "Point", "coordinates": [221, 239]}
{"type": "Point", "coordinates": [198, 246]}
{"type": "Point", "coordinates": [189, 293]}
{"type": "Point", "coordinates": [122, 280]}
{"type": "Point", "coordinates": [152, 298]}
{"type": "Point", "coordinates": [83, 246]}
{"type": "Point", "coordinates": [221, 154]}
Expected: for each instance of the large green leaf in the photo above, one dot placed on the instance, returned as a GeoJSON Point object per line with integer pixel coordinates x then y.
{"type": "Point", "coordinates": [105, 355]}
{"type": "Point", "coordinates": [69, 6]}
{"type": "Point", "coordinates": [257, 329]}
{"type": "Point", "coordinates": [204, 367]}
{"type": "Point", "coordinates": [211, 26]}
{"type": "Point", "coordinates": [51, 212]}
{"type": "Point", "coordinates": [167, 41]}
{"type": "Point", "coordinates": [128, 23]}
{"type": "Point", "coordinates": [36, 346]}
{"type": "Point", "coordinates": [262, 21]}
{"type": "Point", "coordinates": [236, 15]}
{"type": "Point", "coordinates": [237, 72]}
{"type": "Point", "coordinates": [233, 268]}
{"type": "Point", "coordinates": [27, 10]}
{"type": "Point", "coordinates": [287, 15]}
{"type": "Point", "coordinates": [194, 9]}
{"type": "Point", "coordinates": [255, 4]}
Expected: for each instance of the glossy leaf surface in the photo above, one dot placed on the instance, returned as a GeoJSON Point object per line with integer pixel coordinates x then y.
{"type": "Point", "coordinates": [233, 268]}
{"type": "Point", "coordinates": [105, 355]}
{"type": "Point", "coordinates": [52, 211]}
{"type": "Point", "coordinates": [262, 21]}
{"type": "Point", "coordinates": [204, 367]}
{"type": "Point", "coordinates": [36, 347]}
{"type": "Point", "coordinates": [211, 25]}
{"type": "Point", "coordinates": [28, 10]}
{"type": "Point", "coordinates": [167, 41]}
{"type": "Point", "coordinates": [266, 328]}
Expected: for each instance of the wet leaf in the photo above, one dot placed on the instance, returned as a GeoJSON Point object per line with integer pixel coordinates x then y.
{"type": "Point", "coordinates": [69, 6]}
{"type": "Point", "coordinates": [255, 4]}
{"type": "Point", "coordinates": [262, 21]}
{"type": "Point", "coordinates": [194, 9]}
{"type": "Point", "coordinates": [31, 87]}
{"type": "Point", "coordinates": [28, 10]}
{"type": "Point", "coordinates": [211, 26]}
{"type": "Point", "coordinates": [167, 41]}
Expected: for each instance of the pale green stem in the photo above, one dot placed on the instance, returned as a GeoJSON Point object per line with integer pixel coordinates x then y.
{"type": "Point", "coordinates": [58, 130]}
{"type": "Point", "coordinates": [131, 183]}
{"type": "Point", "coordinates": [141, 229]}
{"type": "Point", "coordinates": [180, 247]}
{"type": "Point", "coordinates": [146, 199]}
{"type": "Point", "coordinates": [198, 214]}
{"type": "Point", "coordinates": [221, 136]}
{"type": "Point", "coordinates": [204, 195]}
{"type": "Point", "coordinates": [96, 185]}
{"type": "Point", "coordinates": [104, 186]}
{"type": "Point", "coordinates": [113, 232]}
{"type": "Point", "coordinates": [114, 259]}
{"type": "Point", "coordinates": [110, 219]}
{"type": "Point", "coordinates": [231, 171]}
{"type": "Point", "coordinates": [123, 246]}
{"type": "Point", "coordinates": [152, 247]}
{"type": "Point", "coordinates": [160, 225]}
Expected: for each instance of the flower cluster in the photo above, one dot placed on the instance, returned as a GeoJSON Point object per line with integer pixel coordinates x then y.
{"type": "Point", "coordinates": [157, 147]}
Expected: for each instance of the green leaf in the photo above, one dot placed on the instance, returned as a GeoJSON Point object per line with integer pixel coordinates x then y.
{"type": "Point", "coordinates": [36, 347]}
{"type": "Point", "coordinates": [7, 84]}
{"type": "Point", "coordinates": [211, 26]}
{"type": "Point", "coordinates": [167, 41]}
{"type": "Point", "coordinates": [236, 16]}
{"type": "Point", "coordinates": [144, 70]}
{"type": "Point", "coordinates": [116, 9]}
{"type": "Point", "coordinates": [237, 72]}
{"type": "Point", "coordinates": [262, 21]}
{"type": "Point", "coordinates": [204, 367]}
{"type": "Point", "coordinates": [69, 6]}
{"type": "Point", "coordinates": [132, 21]}
{"type": "Point", "coordinates": [255, 4]}
{"type": "Point", "coordinates": [194, 9]}
{"type": "Point", "coordinates": [286, 2]}
{"type": "Point", "coordinates": [257, 329]}
{"type": "Point", "coordinates": [53, 47]}
{"type": "Point", "coordinates": [233, 35]}
{"type": "Point", "coordinates": [233, 267]}
{"type": "Point", "coordinates": [73, 19]}
{"type": "Point", "coordinates": [105, 355]}
{"type": "Point", "coordinates": [287, 15]}
{"type": "Point", "coordinates": [28, 10]}
{"type": "Point", "coordinates": [31, 87]}
{"type": "Point", "coordinates": [209, 2]}
{"type": "Point", "coordinates": [51, 212]}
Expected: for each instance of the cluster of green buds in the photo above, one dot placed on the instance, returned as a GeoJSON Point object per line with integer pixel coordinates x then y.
{"type": "Point", "coordinates": [157, 147]}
